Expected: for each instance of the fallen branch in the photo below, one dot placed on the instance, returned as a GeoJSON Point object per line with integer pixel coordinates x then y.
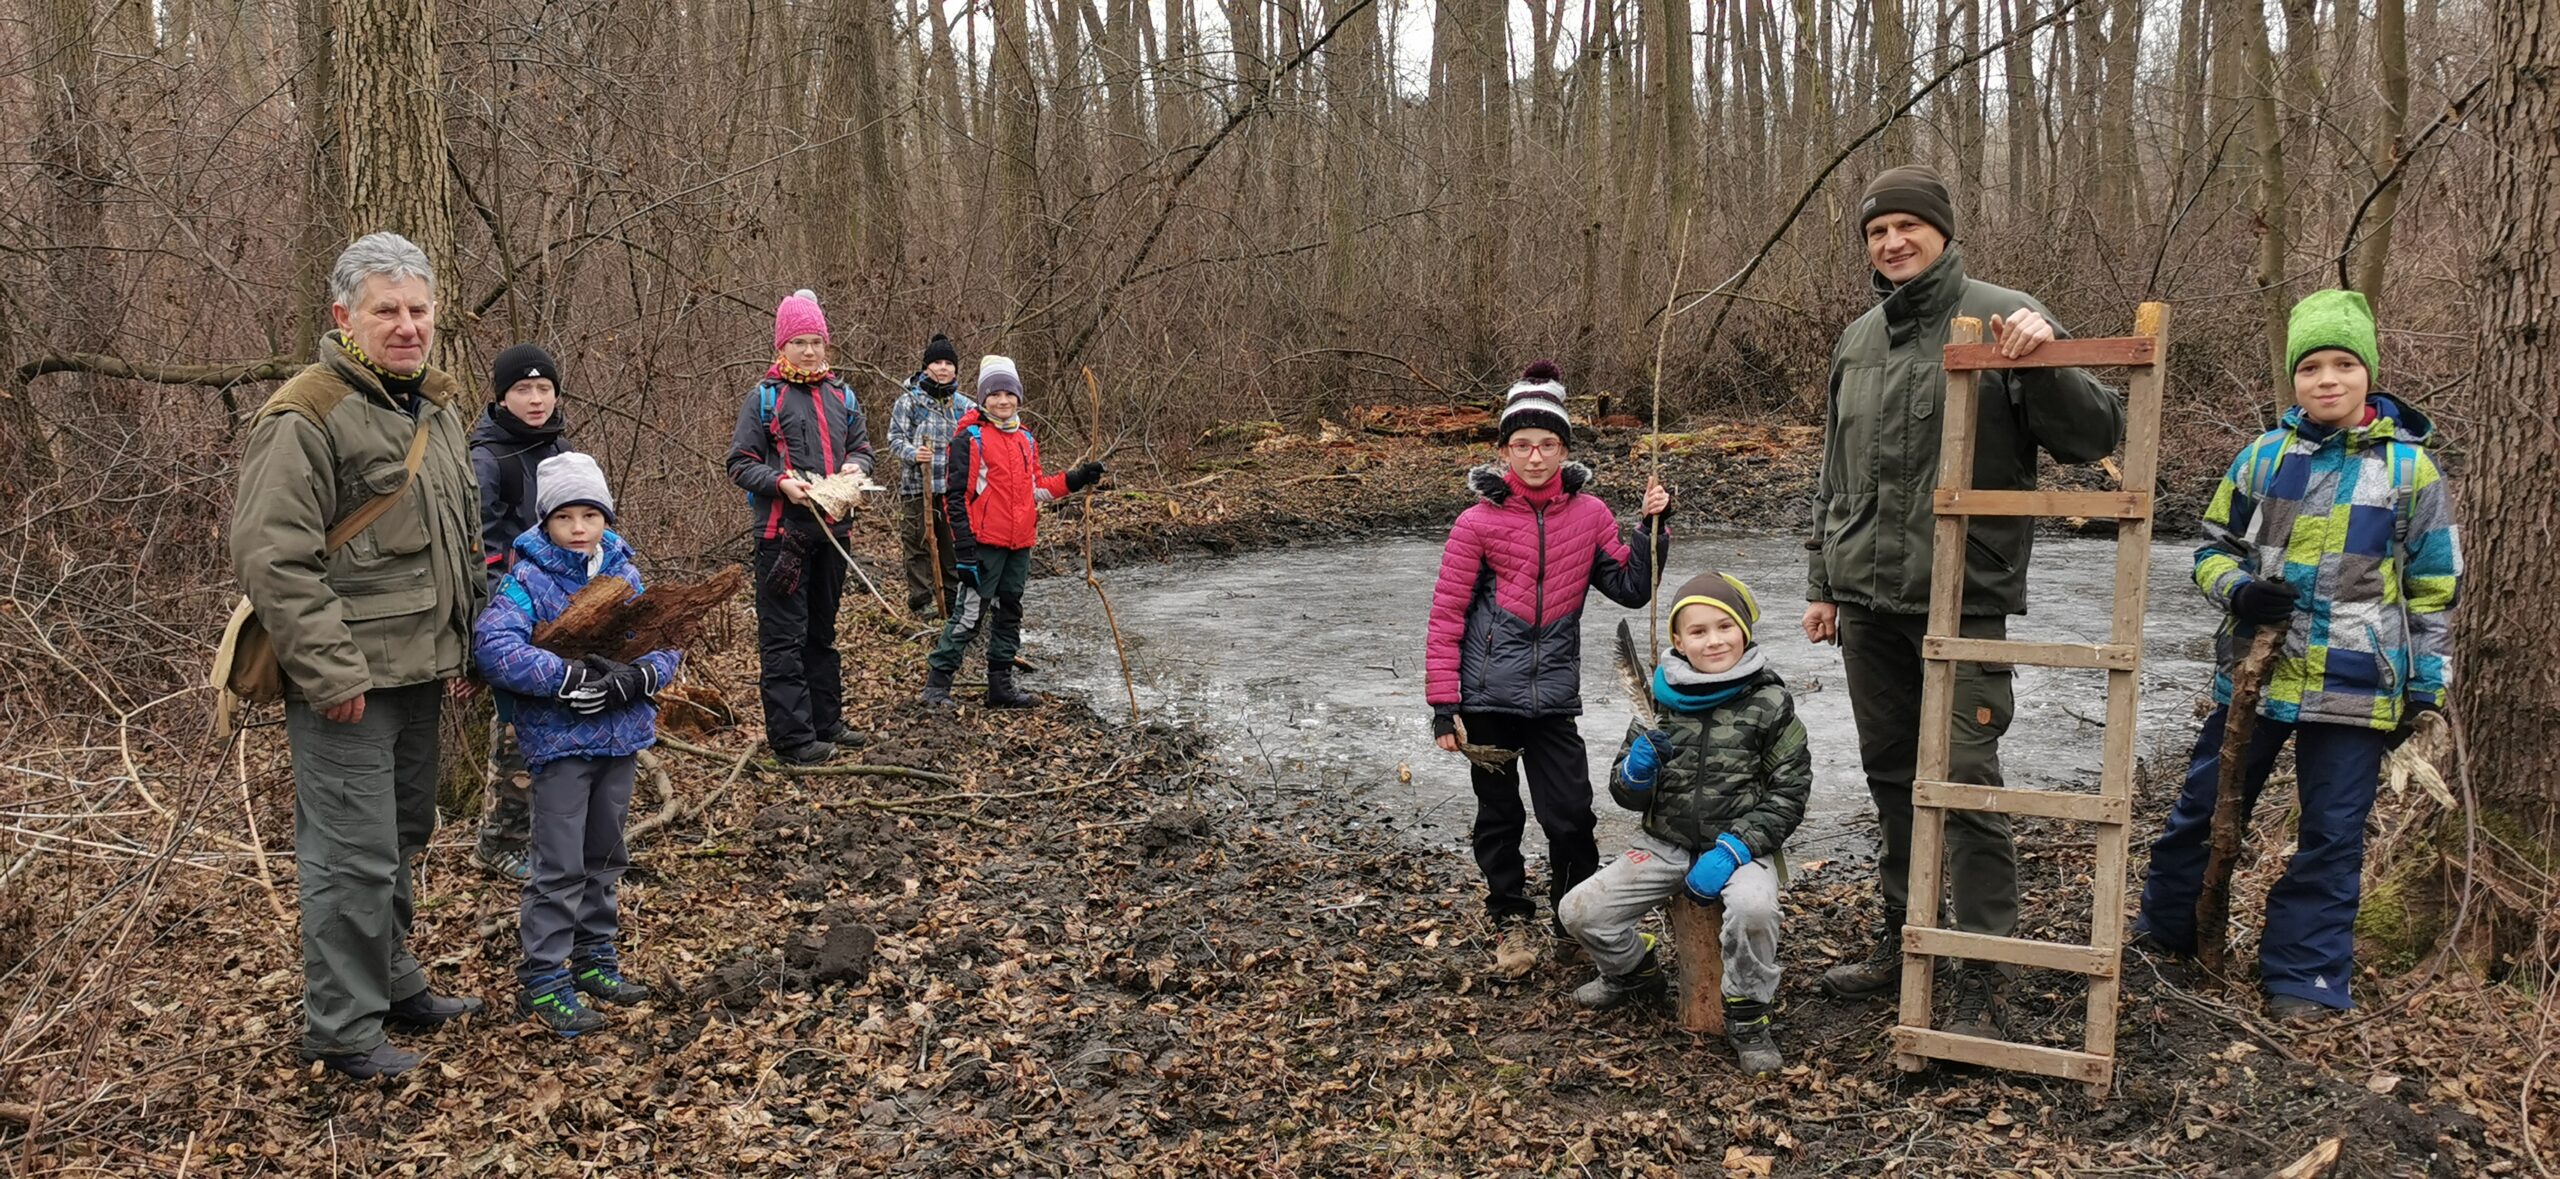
{"type": "Point", "coordinates": [769, 765]}
{"type": "Point", "coordinates": [602, 618]}
{"type": "Point", "coordinates": [274, 368]}
{"type": "Point", "coordinates": [2240, 726]}
{"type": "Point", "coordinates": [1093, 440]}
{"type": "Point", "coordinates": [654, 772]}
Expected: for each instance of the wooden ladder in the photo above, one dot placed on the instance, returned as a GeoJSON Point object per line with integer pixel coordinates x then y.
{"type": "Point", "coordinates": [2111, 809]}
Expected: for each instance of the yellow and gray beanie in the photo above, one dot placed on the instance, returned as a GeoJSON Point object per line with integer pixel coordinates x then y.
{"type": "Point", "coordinates": [1723, 591]}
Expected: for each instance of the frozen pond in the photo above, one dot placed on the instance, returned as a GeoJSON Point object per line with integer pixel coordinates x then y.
{"type": "Point", "coordinates": [1307, 664]}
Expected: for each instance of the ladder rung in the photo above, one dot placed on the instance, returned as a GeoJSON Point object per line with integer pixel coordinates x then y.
{"type": "Point", "coordinates": [2051, 804]}
{"type": "Point", "coordinates": [2096, 505]}
{"type": "Point", "coordinates": [1984, 947]}
{"type": "Point", "coordinates": [2105, 656]}
{"type": "Point", "coordinates": [2102, 352]}
{"type": "Point", "coordinates": [2028, 1058]}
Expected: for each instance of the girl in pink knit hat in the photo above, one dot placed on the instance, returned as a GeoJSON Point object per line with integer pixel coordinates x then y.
{"type": "Point", "coordinates": [799, 423]}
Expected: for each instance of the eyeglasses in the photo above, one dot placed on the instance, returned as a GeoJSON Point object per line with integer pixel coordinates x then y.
{"type": "Point", "coordinates": [1523, 448]}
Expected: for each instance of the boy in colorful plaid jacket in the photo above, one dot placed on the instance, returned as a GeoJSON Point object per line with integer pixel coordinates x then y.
{"type": "Point", "coordinates": [2338, 527]}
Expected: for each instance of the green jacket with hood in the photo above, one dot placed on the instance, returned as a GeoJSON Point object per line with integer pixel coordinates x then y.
{"type": "Point", "coordinates": [395, 605]}
{"type": "Point", "coordinates": [1872, 519]}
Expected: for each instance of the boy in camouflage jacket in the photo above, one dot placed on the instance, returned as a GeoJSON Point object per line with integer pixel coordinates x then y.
{"type": "Point", "coordinates": [1721, 782]}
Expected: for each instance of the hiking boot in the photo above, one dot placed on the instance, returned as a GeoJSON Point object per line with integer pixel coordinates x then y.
{"type": "Point", "coordinates": [814, 753]}
{"type": "Point", "coordinates": [382, 1060]}
{"type": "Point", "coordinates": [937, 688]}
{"type": "Point", "coordinates": [843, 736]}
{"type": "Point", "coordinates": [426, 1011]}
{"type": "Point", "coordinates": [1981, 1003]}
{"type": "Point", "coordinates": [1646, 981]}
{"type": "Point", "coordinates": [601, 977]}
{"type": "Point", "coordinates": [506, 861]}
{"type": "Point", "coordinates": [2296, 1009]}
{"type": "Point", "coordinates": [1880, 971]}
{"type": "Point", "coordinates": [1746, 1027]}
{"type": "Point", "coordinates": [1002, 694]}
{"type": "Point", "coordinates": [553, 1000]}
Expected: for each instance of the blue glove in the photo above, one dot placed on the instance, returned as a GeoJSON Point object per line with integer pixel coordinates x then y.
{"type": "Point", "coordinates": [1707, 878]}
{"type": "Point", "coordinates": [1644, 760]}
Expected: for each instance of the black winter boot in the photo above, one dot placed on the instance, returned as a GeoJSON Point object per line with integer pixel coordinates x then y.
{"type": "Point", "coordinates": [1002, 694]}
{"type": "Point", "coordinates": [1878, 972]}
{"type": "Point", "coordinates": [1746, 1027]}
{"type": "Point", "coordinates": [426, 1011]}
{"type": "Point", "coordinates": [1981, 1007]}
{"type": "Point", "coordinates": [937, 688]}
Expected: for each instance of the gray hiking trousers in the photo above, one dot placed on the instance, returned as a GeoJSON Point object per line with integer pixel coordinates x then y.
{"type": "Point", "coordinates": [1603, 910]}
{"type": "Point", "coordinates": [570, 914]}
{"type": "Point", "coordinates": [364, 805]}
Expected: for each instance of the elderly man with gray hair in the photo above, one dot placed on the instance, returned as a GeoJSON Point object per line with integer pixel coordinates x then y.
{"type": "Point", "coordinates": [355, 537]}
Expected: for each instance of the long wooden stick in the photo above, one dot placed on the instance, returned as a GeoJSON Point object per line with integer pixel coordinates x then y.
{"type": "Point", "coordinates": [827, 529]}
{"type": "Point", "coordinates": [2239, 727]}
{"type": "Point", "coordinates": [1092, 449]}
{"type": "Point", "coordinates": [1653, 450]}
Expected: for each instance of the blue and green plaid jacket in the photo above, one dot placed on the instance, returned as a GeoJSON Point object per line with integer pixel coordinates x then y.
{"type": "Point", "coordinates": [2359, 521]}
{"type": "Point", "coordinates": [921, 420]}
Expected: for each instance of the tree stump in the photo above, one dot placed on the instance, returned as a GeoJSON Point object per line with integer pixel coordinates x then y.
{"type": "Point", "coordinates": [1697, 941]}
{"type": "Point", "coordinates": [604, 619]}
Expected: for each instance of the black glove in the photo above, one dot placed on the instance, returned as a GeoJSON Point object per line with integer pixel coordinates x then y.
{"type": "Point", "coordinates": [1086, 474]}
{"type": "Point", "coordinates": [632, 684]}
{"type": "Point", "coordinates": [2411, 711]}
{"type": "Point", "coordinates": [582, 688]}
{"type": "Point", "coordinates": [2265, 601]}
{"type": "Point", "coordinates": [1443, 724]}
{"type": "Point", "coordinates": [967, 571]}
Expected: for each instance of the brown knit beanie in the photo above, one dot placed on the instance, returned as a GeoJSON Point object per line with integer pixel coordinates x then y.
{"type": "Point", "coordinates": [1913, 189]}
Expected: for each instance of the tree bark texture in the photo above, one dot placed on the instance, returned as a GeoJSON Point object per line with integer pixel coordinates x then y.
{"type": "Point", "coordinates": [391, 141]}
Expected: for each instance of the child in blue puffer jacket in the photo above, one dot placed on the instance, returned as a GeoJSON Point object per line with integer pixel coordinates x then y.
{"type": "Point", "coordinates": [579, 723]}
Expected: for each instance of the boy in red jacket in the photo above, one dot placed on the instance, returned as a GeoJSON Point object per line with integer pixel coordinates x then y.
{"type": "Point", "coordinates": [992, 498]}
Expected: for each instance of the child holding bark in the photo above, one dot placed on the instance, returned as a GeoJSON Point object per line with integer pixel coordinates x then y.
{"type": "Point", "coordinates": [1504, 656]}
{"type": "Point", "coordinates": [1722, 778]}
{"type": "Point", "coordinates": [800, 422]}
{"type": "Point", "coordinates": [579, 722]}
{"type": "Point", "coordinates": [2336, 526]}
{"type": "Point", "coordinates": [992, 501]}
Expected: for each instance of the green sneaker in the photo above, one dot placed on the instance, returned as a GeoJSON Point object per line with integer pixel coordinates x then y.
{"type": "Point", "coordinates": [554, 1001]}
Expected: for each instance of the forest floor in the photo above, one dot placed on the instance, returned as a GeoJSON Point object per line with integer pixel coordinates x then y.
{"type": "Point", "coordinates": [1089, 952]}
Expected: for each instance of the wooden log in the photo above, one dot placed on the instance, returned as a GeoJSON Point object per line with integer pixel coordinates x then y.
{"type": "Point", "coordinates": [2213, 902]}
{"type": "Point", "coordinates": [604, 619]}
{"type": "Point", "coordinates": [1697, 943]}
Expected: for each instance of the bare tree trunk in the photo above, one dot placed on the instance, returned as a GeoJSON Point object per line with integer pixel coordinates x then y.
{"type": "Point", "coordinates": [1677, 99]}
{"type": "Point", "coordinates": [1892, 71]}
{"type": "Point", "coordinates": [2391, 47]}
{"type": "Point", "coordinates": [81, 276]}
{"type": "Point", "coordinates": [323, 223]}
{"type": "Point", "coordinates": [1350, 65]}
{"type": "Point", "coordinates": [1019, 208]}
{"type": "Point", "coordinates": [2507, 686]}
{"type": "Point", "coordinates": [2026, 135]}
{"type": "Point", "coordinates": [2189, 160]}
{"type": "Point", "coordinates": [2275, 299]}
{"type": "Point", "coordinates": [2124, 198]}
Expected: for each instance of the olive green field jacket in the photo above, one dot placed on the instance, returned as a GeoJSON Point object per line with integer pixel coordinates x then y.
{"type": "Point", "coordinates": [395, 605]}
{"type": "Point", "coordinates": [1873, 526]}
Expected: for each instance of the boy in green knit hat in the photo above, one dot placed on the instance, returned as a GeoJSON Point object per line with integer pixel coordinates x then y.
{"type": "Point", "coordinates": [2336, 527]}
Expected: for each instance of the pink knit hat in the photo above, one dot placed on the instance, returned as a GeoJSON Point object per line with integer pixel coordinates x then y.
{"type": "Point", "coordinates": [798, 316]}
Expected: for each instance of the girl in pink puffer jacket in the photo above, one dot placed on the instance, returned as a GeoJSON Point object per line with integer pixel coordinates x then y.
{"type": "Point", "coordinates": [1505, 648]}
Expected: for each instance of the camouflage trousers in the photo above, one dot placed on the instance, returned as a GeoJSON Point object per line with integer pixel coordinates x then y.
{"type": "Point", "coordinates": [506, 817]}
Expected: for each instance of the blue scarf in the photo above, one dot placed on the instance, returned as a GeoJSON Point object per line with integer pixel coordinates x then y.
{"type": "Point", "coordinates": [1681, 688]}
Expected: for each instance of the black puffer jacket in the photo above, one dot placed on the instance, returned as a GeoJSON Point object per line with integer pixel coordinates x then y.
{"type": "Point", "coordinates": [504, 455]}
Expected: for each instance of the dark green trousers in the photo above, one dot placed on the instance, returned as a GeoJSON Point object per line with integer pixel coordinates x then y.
{"type": "Point", "coordinates": [995, 607]}
{"type": "Point", "coordinates": [364, 805]}
{"type": "Point", "coordinates": [1882, 654]}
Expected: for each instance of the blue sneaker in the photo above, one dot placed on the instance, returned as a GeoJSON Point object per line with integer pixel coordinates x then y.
{"type": "Point", "coordinates": [553, 999]}
{"type": "Point", "coordinates": [600, 976]}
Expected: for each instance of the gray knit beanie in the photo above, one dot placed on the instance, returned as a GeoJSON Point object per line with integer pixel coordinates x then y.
{"type": "Point", "coordinates": [571, 478]}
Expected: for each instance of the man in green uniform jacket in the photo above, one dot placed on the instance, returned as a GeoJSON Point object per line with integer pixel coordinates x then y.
{"type": "Point", "coordinates": [1868, 581]}
{"type": "Point", "coordinates": [371, 635]}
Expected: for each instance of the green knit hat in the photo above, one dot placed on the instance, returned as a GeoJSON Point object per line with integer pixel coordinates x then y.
{"type": "Point", "coordinates": [2333, 319]}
